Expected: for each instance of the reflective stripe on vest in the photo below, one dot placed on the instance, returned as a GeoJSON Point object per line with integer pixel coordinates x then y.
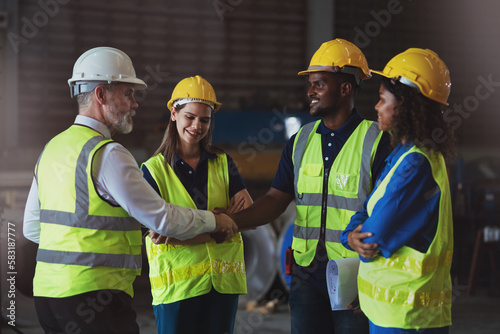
{"type": "Point", "coordinates": [335, 201]}
{"type": "Point", "coordinates": [352, 187]}
{"type": "Point", "coordinates": [94, 244]}
{"type": "Point", "coordinates": [410, 289]}
{"type": "Point", "coordinates": [180, 272]}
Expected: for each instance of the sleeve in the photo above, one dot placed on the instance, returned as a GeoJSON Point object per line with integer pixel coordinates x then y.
{"type": "Point", "coordinates": [284, 179]}
{"type": "Point", "coordinates": [31, 222]}
{"type": "Point", "coordinates": [383, 150]}
{"type": "Point", "coordinates": [236, 182]}
{"type": "Point", "coordinates": [357, 219]}
{"type": "Point", "coordinates": [149, 178]}
{"type": "Point", "coordinates": [408, 209]}
{"type": "Point", "coordinates": [114, 165]}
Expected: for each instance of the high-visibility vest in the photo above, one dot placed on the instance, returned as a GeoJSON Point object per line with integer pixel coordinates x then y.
{"type": "Point", "coordinates": [349, 184]}
{"type": "Point", "coordinates": [411, 289]}
{"type": "Point", "coordinates": [179, 272]}
{"type": "Point", "coordinates": [86, 243]}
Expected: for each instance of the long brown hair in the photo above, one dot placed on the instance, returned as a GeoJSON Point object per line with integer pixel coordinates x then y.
{"type": "Point", "coordinates": [171, 141]}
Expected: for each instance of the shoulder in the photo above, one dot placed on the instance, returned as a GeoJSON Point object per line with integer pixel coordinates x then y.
{"type": "Point", "coordinates": [414, 164]}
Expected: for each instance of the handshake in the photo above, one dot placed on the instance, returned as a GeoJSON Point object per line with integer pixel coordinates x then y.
{"type": "Point", "coordinates": [225, 229]}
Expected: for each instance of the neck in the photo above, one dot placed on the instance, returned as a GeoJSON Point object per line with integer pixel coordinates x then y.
{"type": "Point", "coordinates": [189, 152]}
{"type": "Point", "coordinates": [96, 112]}
{"type": "Point", "coordinates": [334, 122]}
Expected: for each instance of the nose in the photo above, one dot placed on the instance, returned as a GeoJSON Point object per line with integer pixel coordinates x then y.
{"type": "Point", "coordinates": [196, 124]}
{"type": "Point", "coordinates": [311, 92]}
{"type": "Point", "coordinates": [135, 105]}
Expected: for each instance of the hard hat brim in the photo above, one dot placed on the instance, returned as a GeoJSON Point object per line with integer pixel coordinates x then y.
{"type": "Point", "coordinates": [379, 73]}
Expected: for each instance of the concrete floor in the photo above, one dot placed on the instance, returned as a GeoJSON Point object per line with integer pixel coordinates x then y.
{"type": "Point", "coordinates": [476, 314]}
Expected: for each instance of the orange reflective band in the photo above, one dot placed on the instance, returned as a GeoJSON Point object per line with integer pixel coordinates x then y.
{"type": "Point", "coordinates": [199, 269]}
{"type": "Point", "coordinates": [408, 264]}
{"type": "Point", "coordinates": [404, 298]}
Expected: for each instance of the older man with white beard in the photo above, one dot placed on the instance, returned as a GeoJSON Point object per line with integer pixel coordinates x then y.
{"type": "Point", "coordinates": [86, 203]}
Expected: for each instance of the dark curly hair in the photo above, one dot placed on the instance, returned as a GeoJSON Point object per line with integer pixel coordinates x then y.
{"type": "Point", "coordinates": [420, 120]}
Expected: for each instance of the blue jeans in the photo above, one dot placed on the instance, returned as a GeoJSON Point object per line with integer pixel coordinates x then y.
{"type": "Point", "coordinates": [311, 311]}
{"type": "Point", "coordinates": [212, 313]}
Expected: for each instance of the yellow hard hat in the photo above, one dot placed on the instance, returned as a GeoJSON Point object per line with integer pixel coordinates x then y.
{"type": "Point", "coordinates": [339, 55]}
{"type": "Point", "coordinates": [422, 69]}
{"type": "Point", "coordinates": [194, 89]}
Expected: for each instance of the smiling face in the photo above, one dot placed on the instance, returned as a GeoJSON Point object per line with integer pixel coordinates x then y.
{"type": "Point", "coordinates": [192, 122]}
{"type": "Point", "coordinates": [324, 94]}
{"type": "Point", "coordinates": [386, 109]}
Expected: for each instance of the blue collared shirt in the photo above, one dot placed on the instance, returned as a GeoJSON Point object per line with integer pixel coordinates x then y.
{"type": "Point", "coordinates": [408, 212]}
{"type": "Point", "coordinates": [195, 180]}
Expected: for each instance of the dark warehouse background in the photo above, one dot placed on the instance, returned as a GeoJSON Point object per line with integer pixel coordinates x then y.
{"type": "Point", "coordinates": [251, 51]}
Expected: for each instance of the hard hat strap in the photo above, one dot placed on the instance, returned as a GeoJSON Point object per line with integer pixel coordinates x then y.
{"type": "Point", "coordinates": [355, 71]}
{"type": "Point", "coordinates": [81, 87]}
{"type": "Point", "coordinates": [407, 82]}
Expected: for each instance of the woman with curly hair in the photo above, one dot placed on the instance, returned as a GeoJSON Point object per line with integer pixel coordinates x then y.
{"type": "Point", "coordinates": [404, 233]}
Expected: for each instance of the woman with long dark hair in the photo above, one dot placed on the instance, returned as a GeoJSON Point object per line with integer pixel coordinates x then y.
{"type": "Point", "coordinates": [404, 234]}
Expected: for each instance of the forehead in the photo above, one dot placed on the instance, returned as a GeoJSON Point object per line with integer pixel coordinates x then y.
{"type": "Point", "coordinates": [322, 76]}
{"type": "Point", "coordinates": [197, 109]}
{"type": "Point", "coordinates": [122, 87]}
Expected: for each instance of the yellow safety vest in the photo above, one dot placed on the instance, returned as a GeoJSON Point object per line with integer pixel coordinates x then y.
{"type": "Point", "coordinates": [86, 244]}
{"type": "Point", "coordinates": [179, 272]}
{"type": "Point", "coordinates": [349, 184]}
{"type": "Point", "coordinates": [410, 289]}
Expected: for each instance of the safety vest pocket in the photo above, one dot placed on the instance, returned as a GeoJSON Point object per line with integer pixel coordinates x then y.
{"type": "Point", "coordinates": [311, 179]}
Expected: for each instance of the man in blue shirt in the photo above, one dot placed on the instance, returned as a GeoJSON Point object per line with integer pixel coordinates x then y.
{"type": "Point", "coordinates": [318, 158]}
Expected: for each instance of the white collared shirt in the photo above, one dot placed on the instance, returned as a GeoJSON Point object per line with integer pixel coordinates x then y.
{"type": "Point", "coordinates": [119, 180]}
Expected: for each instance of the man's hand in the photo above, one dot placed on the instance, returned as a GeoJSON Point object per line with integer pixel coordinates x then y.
{"type": "Point", "coordinates": [157, 238]}
{"type": "Point", "coordinates": [355, 240]}
{"type": "Point", "coordinates": [225, 228]}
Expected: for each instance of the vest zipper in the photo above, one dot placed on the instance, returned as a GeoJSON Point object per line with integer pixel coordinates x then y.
{"type": "Point", "coordinates": [324, 201]}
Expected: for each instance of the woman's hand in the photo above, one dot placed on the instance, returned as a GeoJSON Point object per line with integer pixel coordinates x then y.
{"type": "Point", "coordinates": [355, 240]}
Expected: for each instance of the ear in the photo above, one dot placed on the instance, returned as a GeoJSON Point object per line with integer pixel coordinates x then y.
{"type": "Point", "coordinates": [172, 114]}
{"type": "Point", "coordinates": [345, 88]}
{"type": "Point", "coordinates": [100, 95]}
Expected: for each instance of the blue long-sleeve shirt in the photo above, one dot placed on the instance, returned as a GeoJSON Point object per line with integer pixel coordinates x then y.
{"type": "Point", "coordinates": [407, 214]}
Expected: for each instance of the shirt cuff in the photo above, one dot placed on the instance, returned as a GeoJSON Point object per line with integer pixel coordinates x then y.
{"type": "Point", "coordinates": [209, 219]}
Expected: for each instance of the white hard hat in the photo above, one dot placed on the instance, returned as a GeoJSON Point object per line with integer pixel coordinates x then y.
{"type": "Point", "coordinates": [101, 65]}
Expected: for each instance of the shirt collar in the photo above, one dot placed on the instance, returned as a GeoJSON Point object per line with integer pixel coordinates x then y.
{"type": "Point", "coordinates": [344, 130]}
{"type": "Point", "coordinates": [204, 156]}
{"type": "Point", "coordinates": [93, 124]}
{"type": "Point", "coordinates": [398, 152]}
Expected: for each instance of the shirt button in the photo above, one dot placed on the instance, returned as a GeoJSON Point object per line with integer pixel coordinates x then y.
{"type": "Point", "coordinates": [332, 134]}
{"type": "Point", "coordinates": [182, 162]}
{"type": "Point", "coordinates": [326, 158]}
{"type": "Point", "coordinates": [190, 172]}
{"type": "Point", "coordinates": [329, 144]}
